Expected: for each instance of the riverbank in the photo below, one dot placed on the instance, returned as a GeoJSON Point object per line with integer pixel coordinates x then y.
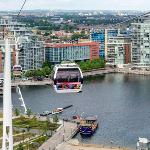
{"type": "Point", "coordinates": [31, 82]}
{"type": "Point", "coordinates": [75, 145]}
{"type": "Point", "coordinates": [136, 72]}
{"type": "Point", "coordinates": [96, 72]}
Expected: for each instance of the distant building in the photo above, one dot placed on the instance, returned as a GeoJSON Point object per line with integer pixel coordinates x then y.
{"type": "Point", "coordinates": [61, 33]}
{"type": "Point", "coordinates": [118, 50]}
{"type": "Point", "coordinates": [141, 43]}
{"type": "Point", "coordinates": [28, 49]}
{"type": "Point", "coordinates": [102, 36]}
{"type": "Point", "coordinates": [14, 27]}
{"type": "Point", "coordinates": [56, 53]}
{"type": "Point", "coordinates": [31, 54]}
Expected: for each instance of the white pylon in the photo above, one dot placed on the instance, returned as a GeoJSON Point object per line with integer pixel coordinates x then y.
{"type": "Point", "coordinates": [7, 101]}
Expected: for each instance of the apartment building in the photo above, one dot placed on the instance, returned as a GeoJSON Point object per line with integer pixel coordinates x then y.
{"type": "Point", "coordinates": [56, 53]}
{"type": "Point", "coordinates": [102, 36]}
{"type": "Point", "coordinates": [118, 50]}
{"type": "Point", "coordinates": [141, 43]}
{"type": "Point", "coordinates": [31, 54]}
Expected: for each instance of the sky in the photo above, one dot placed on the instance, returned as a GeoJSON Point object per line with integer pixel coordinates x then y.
{"type": "Point", "coordinates": [77, 4]}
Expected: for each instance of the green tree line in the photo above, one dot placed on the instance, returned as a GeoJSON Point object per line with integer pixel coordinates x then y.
{"type": "Point", "coordinates": [94, 64]}
{"type": "Point", "coordinates": [44, 71]}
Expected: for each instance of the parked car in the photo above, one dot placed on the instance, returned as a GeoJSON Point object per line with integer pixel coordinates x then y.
{"type": "Point", "coordinates": [24, 79]}
{"type": "Point", "coordinates": [39, 79]}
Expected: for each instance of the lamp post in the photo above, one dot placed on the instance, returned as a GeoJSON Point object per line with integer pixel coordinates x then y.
{"type": "Point", "coordinates": [7, 101]}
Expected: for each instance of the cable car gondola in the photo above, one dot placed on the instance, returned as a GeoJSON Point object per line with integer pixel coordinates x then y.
{"type": "Point", "coordinates": [17, 70]}
{"type": "Point", "coordinates": [68, 78]}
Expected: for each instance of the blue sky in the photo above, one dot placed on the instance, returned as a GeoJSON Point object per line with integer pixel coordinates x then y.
{"type": "Point", "coordinates": [77, 4]}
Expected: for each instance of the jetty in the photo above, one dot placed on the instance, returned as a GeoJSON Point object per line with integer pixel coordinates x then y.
{"type": "Point", "coordinates": [50, 112]}
{"type": "Point", "coordinates": [63, 134]}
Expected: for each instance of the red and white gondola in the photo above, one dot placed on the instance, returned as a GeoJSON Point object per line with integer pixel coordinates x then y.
{"type": "Point", "coordinates": [68, 78]}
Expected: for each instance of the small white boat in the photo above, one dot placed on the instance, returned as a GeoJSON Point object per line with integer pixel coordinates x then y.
{"type": "Point", "coordinates": [143, 144]}
{"type": "Point", "coordinates": [57, 111]}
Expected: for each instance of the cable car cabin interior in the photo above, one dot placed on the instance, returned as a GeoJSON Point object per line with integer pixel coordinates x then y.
{"type": "Point", "coordinates": [68, 80]}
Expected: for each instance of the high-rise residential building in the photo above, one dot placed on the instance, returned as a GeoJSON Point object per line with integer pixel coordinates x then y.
{"type": "Point", "coordinates": [141, 42]}
{"type": "Point", "coordinates": [118, 50]}
{"type": "Point", "coordinates": [29, 50]}
{"type": "Point", "coordinates": [102, 36]}
{"type": "Point", "coordinates": [55, 53]}
{"type": "Point", "coordinates": [15, 28]}
{"type": "Point", "coordinates": [31, 54]}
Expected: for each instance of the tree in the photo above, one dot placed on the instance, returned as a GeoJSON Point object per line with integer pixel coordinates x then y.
{"type": "Point", "coordinates": [47, 64]}
{"type": "Point", "coordinates": [20, 147]}
{"type": "Point", "coordinates": [46, 70]}
{"type": "Point", "coordinates": [38, 73]}
{"type": "Point", "coordinates": [29, 73]}
{"type": "Point", "coordinates": [55, 119]}
{"type": "Point", "coordinates": [94, 64]}
{"type": "Point", "coordinates": [29, 112]}
{"type": "Point", "coordinates": [17, 112]}
{"type": "Point", "coordinates": [46, 34]}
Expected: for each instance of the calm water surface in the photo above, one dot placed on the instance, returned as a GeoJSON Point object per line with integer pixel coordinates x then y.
{"type": "Point", "coordinates": [121, 102]}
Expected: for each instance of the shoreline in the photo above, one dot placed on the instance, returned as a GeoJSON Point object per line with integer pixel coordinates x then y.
{"type": "Point", "coordinates": [91, 73]}
{"type": "Point", "coordinates": [74, 144]}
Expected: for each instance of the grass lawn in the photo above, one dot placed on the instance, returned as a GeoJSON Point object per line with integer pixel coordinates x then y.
{"type": "Point", "coordinates": [33, 144]}
{"type": "Point", "coordinates": [33, 123]}
{"type": "Point", "coordinates": [1, 115]}
{"type": "Point", "coordinates": [21, 137]}
{"type": "Point", "coordinates": [23, 122]}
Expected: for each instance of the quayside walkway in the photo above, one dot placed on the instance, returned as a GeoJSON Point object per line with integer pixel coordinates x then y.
{"type": "Point", "coordinates": [75, 145]}
{"type": "Point", "coordinates": [98, 72]}
{"type": "Point", "coordinates": [65, 133]}
{"type": "Point", "coordinates": [31, 82]}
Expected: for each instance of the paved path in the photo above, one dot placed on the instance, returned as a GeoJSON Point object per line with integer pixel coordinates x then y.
{"type": "Point", "coordinates": [75, 145]}
{"type": "Point", "coordinates": [138, 72]}
{"type": "Point", "coordinates": [98, 72]}
{"type": "Point", "coordinates": [1, 119]}
{"type": "Point", "coordinates": [31, 82]}
{"type": "Point", "coordinates": [63, 134]}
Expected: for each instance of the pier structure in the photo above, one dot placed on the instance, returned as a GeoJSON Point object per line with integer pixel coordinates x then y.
{"type": "Point", "coordinates": [63, 134]}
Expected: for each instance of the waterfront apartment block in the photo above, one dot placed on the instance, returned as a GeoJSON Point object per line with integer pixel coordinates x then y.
{"type": "Point", "coordinates": [102, 36]}
{"type": "Point", "coordinates": [118, 50]}
{"type": "Point", "coordinates": [29, 51]}
{"type": "Point", "coordinates": [56, 53]}
{"type": "Point", "coordinates": [31, 54]}
{"type": "Point", "coordinates": [141, 43]}
{"type": "Point", "coordinates": [15, 28]}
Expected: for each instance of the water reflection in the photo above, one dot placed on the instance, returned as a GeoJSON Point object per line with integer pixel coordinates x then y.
{"type": "Point", "coordinates": [122, 103]}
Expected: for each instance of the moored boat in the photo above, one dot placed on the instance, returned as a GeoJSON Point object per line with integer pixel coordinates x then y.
{"type": "Point", "coordinates": [88, 126]}
{"type": "Point", "coordinates": [57, 111]}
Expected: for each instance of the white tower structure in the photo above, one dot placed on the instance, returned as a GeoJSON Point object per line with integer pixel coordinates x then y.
{"type": "Point", "coordinates": [7, 101]}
